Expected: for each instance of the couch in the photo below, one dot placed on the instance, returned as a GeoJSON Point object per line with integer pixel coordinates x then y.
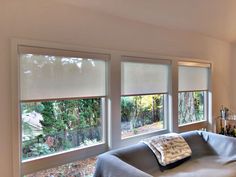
{"type": "Point", "coordinates": [212, 155]}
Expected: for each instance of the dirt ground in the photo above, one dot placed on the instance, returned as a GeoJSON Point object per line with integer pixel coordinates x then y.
{"type": "Point", "coordinates": [82, 168]}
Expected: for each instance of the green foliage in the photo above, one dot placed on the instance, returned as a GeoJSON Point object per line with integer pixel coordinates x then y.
{"type": "Point", "coordinates": [127, 107]}
{"type": "Point", "coordinates": [142, 110]}
{"type": "Point", "coordinates": [199, 105]}
{"type": "Point", "coordinates": [90, 111]}
{"type": "Point", "coordinates": [40, 149]}
{"type": "Point", "coordinates": [158, 104]}
{"type": "Point", "coordinates": [49, 122]}
{"type": "Point", "coordinates": [70, 114]}
{"type": "Point", "coordinates": [39, 108]}
{"type": "Point", "coordinates": [35, 149]}
{"type": "Point", "coordinates": [30, 107]}
{"type": "Point", "coordinates": [66, 144]}
{"type": "Point", "coordinates": [69, 123]}
{"type": "Point", "coordinates": [26, 127]}
{"type": "Point", "coordinates": [135, 131]}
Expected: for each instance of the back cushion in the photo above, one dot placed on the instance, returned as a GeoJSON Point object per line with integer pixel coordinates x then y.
{"type": "Point", "coordinates": [197, 144]}
{"type": "Point", "coordinates": [222, 145]}
{"type": "Point", "coordinates": [139, 156]}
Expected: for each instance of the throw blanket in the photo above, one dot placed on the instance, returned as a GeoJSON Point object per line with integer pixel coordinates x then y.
{"type": "Point", "coordinates": [168, 148]}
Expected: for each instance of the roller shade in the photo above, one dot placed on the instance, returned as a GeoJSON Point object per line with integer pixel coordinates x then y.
{"type": "Point", "coordinates": [143, 78]}
{"type": "Point", "coordinates": [54, 77]}
{"type": "Point", "coordinates": [193, 78]}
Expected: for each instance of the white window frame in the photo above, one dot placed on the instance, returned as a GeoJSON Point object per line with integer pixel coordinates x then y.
{"type": "Point", "coordinates": [166, 129]}
{"type": "Point", "coordinates": [207, 123]}
{"type": "Point", "coordinates": [112, 130]}
{"type": "Point", "coordinates": [48, 161]}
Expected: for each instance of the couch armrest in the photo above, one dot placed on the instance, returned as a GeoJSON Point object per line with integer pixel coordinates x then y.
{"type": "Point", "coordinates": [222, 145]}
{"type": "Point", "coordinates": [111, 166]}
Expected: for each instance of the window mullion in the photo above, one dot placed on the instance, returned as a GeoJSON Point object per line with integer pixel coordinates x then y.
{"type": "Point", "coordinates": [174, 97]}
{"type": "Point", "coordinates": [114, 135]}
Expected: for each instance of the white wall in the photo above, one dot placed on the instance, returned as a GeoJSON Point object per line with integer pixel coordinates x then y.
{"type": "Point", "coordinates": [56, 22]}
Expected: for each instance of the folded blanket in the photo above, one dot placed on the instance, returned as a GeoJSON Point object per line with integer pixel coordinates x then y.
{"type": "Point", "coordinates": [168, 148]}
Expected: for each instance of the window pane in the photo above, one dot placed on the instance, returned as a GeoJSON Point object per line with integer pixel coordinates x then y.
{"type": "Point", "coordinates": [142, 114]}
{"type": "Point", "coordinates": [53, 126]}
{"type": "Point", "coordinates": [191, 107]}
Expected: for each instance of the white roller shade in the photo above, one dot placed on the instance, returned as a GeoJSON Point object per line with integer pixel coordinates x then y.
{"type": "Point", "coordinates": [193, 78]}
{"type": "Point", "coordinates": [52, 77]}
{"type": "Point", "coordinates": [143, 78]}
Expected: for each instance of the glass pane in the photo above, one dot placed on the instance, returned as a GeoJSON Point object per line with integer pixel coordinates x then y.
{"type": "Point", "coordinates": [141, 114]}
{"type": "Point", "coordinates": [54, 126]}
{"type": "Point", "coordinates": [191, 107]}
{"type": "Point", "coordinates": [81, 168]}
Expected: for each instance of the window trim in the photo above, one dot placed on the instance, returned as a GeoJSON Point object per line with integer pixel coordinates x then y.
{"type": "Point", "coordinates": [148, 60]}
{"type": "Point", "coordinates": [112, 135]}
{"type": "Point", "coordinates": [209, 121]}
{"type": "Point", "coordinates": [32, 165]}
{"type": "Point", "coordinates": [61, 52]}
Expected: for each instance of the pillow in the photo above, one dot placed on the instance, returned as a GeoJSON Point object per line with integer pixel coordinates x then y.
{"type": "Point", "coordinates": [168, 148]}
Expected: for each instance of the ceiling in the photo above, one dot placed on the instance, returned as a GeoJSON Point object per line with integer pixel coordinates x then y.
{"type": "Point", "coordinates": [215, 18]}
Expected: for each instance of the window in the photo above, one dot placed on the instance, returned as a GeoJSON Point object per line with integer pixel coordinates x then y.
{"type": "Point", "coordinates": [144, 88]}
{"type": "Point", "coordinates": [193, 93]}
{"type": "Point", "coordinates": [69, 106]}
{"type": "Point", "coordinates": [62, 101]}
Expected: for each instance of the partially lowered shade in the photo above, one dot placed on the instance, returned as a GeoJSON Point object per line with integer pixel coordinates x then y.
{"type": "Point", "coordinates": [54, 77]}
{"type": "Point", "coordinates": [143, 78]}
{"type": "Point", "coordinates": [193, 78]}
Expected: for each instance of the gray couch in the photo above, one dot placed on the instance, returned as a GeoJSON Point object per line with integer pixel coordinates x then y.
{"type": "Point", "coordinates": [212, 155]}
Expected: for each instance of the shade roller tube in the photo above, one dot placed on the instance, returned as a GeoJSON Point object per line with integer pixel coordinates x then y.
{"type": "Point", "coordinates": [193, 78]}
{"type": "Point", "coordinates": [60, 52]}
{"type": "Point", "coordinates": [54, 77]}
{"type": "Point", "coordinates": [144, 78]}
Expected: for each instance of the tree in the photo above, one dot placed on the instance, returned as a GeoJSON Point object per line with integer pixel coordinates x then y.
{"type": "Point", "coordinates": [157, 108]}
{"type": "Point", "coordinates": [89, 112]}
{"type": "Point", "coordinates": [191, 107]}
{"type": "Point", "coordinates": [127, 107]}
{"type": "Point", "coordinates": [49, 118]}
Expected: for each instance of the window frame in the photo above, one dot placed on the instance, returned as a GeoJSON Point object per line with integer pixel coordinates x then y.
{"type": "Point", "coordinates": [208, 122]}
{"type": "Point", "coordinates": [111, 130]}
{"type": "Point", "coordinates": [22, 167]}
{"type": "Point", "coordinates": [147, 60]}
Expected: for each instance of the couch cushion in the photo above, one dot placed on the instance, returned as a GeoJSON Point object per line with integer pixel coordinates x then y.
{"type": "Point", "coordinates": [197, 144]}
{"type": "Point", "coordinates": [139, 156]}
{"type": "Point", "coordinates": [210, 166]}
{"type": "Point", "coordinates": [221, 145]}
